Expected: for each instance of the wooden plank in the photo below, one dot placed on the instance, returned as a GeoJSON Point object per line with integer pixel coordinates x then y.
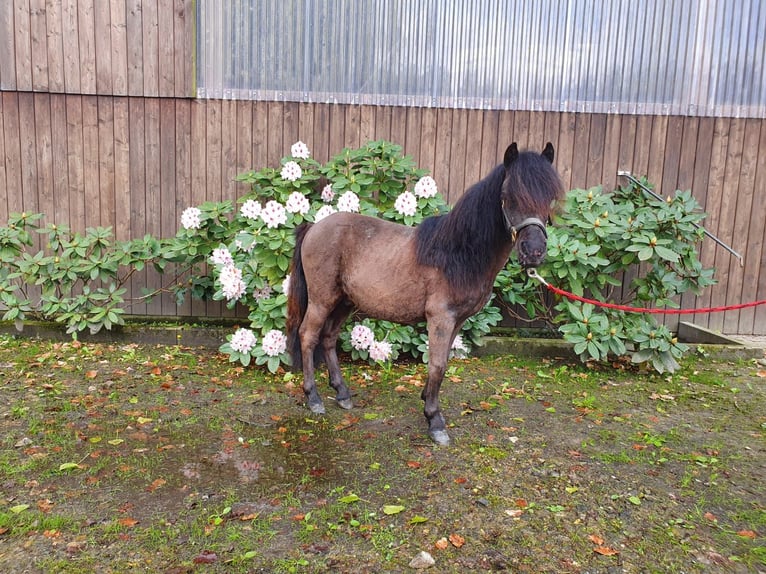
{"type": "Point", "coordinates": [134, 36]}
{"type": "Point", "coordinates": [536, 138]}
{"type": "Point", "coordinates": [29, 167]}
{"type": "Point", "coordinates": [521, 120]}
{"type": "Point", "coordinates": [413, 133]}
{"type": "Point", "coordinates": [759, 262]}
{"type": "Point", "coordinates": [102, 16]}
{"type": "Point", "coordinates": [122, 190]}
{"type": "Point", "coordinates": [441, 169]}
{"type": "Point", "coordinates": [244, 160]}
{"type": "Point", "coordinates": [151, 48]}
{"type": "Point", "coordinates": [106, 165]}
{"type": "Point", "coordinates": [166, 59]}
{"type": "Point", "coordinates": [119, 47]}
{"type": "Point", "coordinates": [672, 156]}
{"type": "Point", "coordinates": [290, 126]}
{"type": "Point", "coordinates": [351, 123]}
{"type": "Point", "coordinates": [71, 46]}
{"type": "Point", "coordinates": [489, 142]}
{"type": "Point", "coordinates": [55, 45]}
{"type": "Point", "coordinates": [3, 182]}
{"type": "Point", "coordinates": [366, 124]}
{"type": "Point", "coordinates": [564, 153]}
{"type": "Point", "coordinates": [87, 39]}
{"type": "Point", "coordinates": [44, 159]}
{"type": "Point", "coordinates": [12, 151]}
{"type": "Point", "coordinates": [153, 169]}
{"type": "Point", "coordinates": [628, 127]}
{"type": "Point", "coordinates": [75, 163]}
{"type": "Point", "coordinates": [276, 148]}
{"type": "Point", "coordinates": [399, 127]}
{"type": "Point", "coordinates": [38, 33]}
{"type": "Point", "coordinates": [183, 52]}
{"type": "Point", "coordinates": [717, 167]}
{"type": "Point", "coordinates": [229, 169]}
{"type": "Point", "coordinates": [474, 129]}
{"type": "Point", "coordinates": [306, 129]}
{"type": "Point", "coordinates": [580, 151]}
{"type": "Point", "coordinates": [742, 279]}
{"type": "Point", "coordinates": [22, 45]}
{"type": "Point", "coordinates": [686, 156]}
{"type": "Point", "coordinates": [427, 157]}
{"type": "Point", "coordinates": [214, 177]}
{"type": "Point", "coordinates": [611, 152]}
{"type": "Point", "coordinates": [90, 161]}
{"type": "Point", "coordinates": [551, 132]}
{"type": "Point", "coordinates": [7, 47]}
{"type": "Point", "coordinates": [183, 178]}
{"type": "Point", "coordinates": [260, 131]}
{"type": "Point", "coordinates": [167, 190]}
{"type": "Point", "coordinates": [137, 197]}
{"type": "Point", "coordinates": [595, 150]}
{"type": "Point", "coordinates": [382, 123]}
{"type": "Point", "coordinates": [656, 151]}
{"type": "Point", "coordinates": [198, 171]}
{"type": "Point", "coordinates": [457, 181]}
{"type": "Point", "coordinates": [336, 130]}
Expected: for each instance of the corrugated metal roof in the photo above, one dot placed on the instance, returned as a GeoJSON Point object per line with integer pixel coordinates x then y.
{"type": "Point", "coordinates": [680, 57]}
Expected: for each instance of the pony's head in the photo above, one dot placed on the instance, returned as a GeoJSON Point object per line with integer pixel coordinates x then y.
{"type": "Point", "coordinates": [530, 189]}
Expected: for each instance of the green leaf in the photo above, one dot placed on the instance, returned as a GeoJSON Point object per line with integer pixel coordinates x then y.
{"type": "Point", "coordinates": [392, 509]}
{"type": "Point", "coordinates": [63, 467]}
{"type": "Point", "coordinates": [634, 500]}
{"type": "Point", "coordinates": [418, 519]}
{"type": "Point", "coordinates": [19, 508]}
{"type": "Point", "coordinates": [348, 499]}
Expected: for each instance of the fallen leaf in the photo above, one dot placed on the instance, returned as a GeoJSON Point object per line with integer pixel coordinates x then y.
{"type": "Point", "coordinates": [710, 516]}
{"type": "Point", "coordinates": [596, 539]}
{"type": "Point", "coordinates": [761, 373]}
{"type": "Point", "coordinates": [91, 374]}
{"type": "Point", "coordinates": [44, 505]}
{"type": "Point", "coordinates": [456, 540]}
{"type": "Point", "coordinates": [441, 544]}
{"type": "Point", "coordinates": [205, 557]}
{"type": "Point", "coordinates": [747, 534]}
{"type": "Point", "coordinates": [392, 509]}
{"type": "Point", "coordinates": [127, 522]}
{"type": "Point", "coordinates": [156, 371]}
{"type": "Point", "coordinates": [157, 483]}
{"type": "Point", "coordinates": [514, 513]}
{"type": "Point", "coordinates": [348, 499]}
{"type": "Point", "coordinates": [605, 551]}
{"type": "Point", "coordinates": [413, 464]}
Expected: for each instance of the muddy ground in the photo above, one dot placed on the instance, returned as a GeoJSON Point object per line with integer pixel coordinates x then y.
{"type": "Point", "coordinates": [125, 458]}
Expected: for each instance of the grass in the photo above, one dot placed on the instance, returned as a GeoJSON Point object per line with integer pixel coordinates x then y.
{"type": "Point", "coordinates": [151, 459]}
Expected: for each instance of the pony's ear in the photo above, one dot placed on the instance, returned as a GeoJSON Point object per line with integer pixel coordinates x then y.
{"type": "Point", "coordinates": [548, 152]}
{"type": "Point", "coordinates": [511, 154]}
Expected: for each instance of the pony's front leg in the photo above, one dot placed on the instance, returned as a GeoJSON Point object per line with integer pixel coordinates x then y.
{"type": "Point", "coordinates": [309, 332]}
{"type": "Point", "coordinates": [438, 354]}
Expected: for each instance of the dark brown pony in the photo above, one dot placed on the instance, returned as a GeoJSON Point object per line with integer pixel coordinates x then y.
{"type": "Point", "coordinates": [441, 271]}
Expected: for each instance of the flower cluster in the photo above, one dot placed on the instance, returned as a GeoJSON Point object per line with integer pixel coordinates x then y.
{"type": "Point", "coordinates": [349, 201]}
{"type": "Point", "coordinates": [221, 256]}
{"type": "Point", "coordinates": [323, 212]}
{"type": "Point", "coordinates": [298, 203]}
{"type": "Point", "coordinates": [232, 285]}
{"type": "Point", "coordinates": [243, 341]}
{"type": "Point", "coordinates": [426, 187]}
{"type": "Point", "coordinates": [327, 193]}
{"type": "Point", "coordinates": [274, 343]}
{"type": "Point", "coordinates": [300, 150]}
{"type": "Point", "coordinates": [251, 209]}
{"type": "Point", "coordinates": [286, 284]}
{"type": "Point", "coordinates": [264, 293]}
{"type": "Point", "coordinates": [274, 214]}
{"type": "Point", "coordinates": [190, 218]}
{"type": "Point", "coordinates": [291, 171]}
{"type": "Point", "coordinates": [363, 339]}
{"type": "Point", "coordinates": [406, 204]}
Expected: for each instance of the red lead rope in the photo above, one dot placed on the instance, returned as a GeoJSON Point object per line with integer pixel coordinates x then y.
{"type": "Point", "coordinates": [532, 272]}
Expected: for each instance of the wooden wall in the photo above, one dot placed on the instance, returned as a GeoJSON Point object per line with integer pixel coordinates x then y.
{"type": "Point", "coordinates": [97, 127]}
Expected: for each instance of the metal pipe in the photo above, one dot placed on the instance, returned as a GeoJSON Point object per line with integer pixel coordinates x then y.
{"type": "Point", "coordinates": [632, 179]}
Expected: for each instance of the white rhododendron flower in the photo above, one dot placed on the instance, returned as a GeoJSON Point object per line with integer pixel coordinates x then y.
{"type": "Point", "coordinates": [300, 150]}
{"type": "Point", "coordinates": [232, 285]}
{"type": "Point", "coordinates": [323, 212]}
{"type": "Point", "coordinates": [349, 201]}
{"type": "Point", "coordinates": [274, 214]}
{"type": "Point", "coordinates": [291, 171]}
{"type": "Point", "coordinates": [426, 187]}
{"type": "Point", "coordinates": [190, 218]}
{"type": "Point", "coordinates": [221, 256]}
{"type": "Point", "coordinates": [361, 337]}
{"type": "Point", "coordinates": [406, 204]}
{"type": "Point", "coordinates": [328, 194]}
{"type": "Point", "coordinates": [274, 343]}
{"type": "Point", "coordinates": [298, 203]}
{"type": "Point", "coordinates": [251, 209]}
{"type": "Point", "coordinates": [380, 350]}
{"type": "Point", "coordinates": [286, 284]}
{"type": "Point", "coordinates": [243, 340]}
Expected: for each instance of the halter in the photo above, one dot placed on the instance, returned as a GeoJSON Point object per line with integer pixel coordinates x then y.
{"type": "Point", "coordinates": [514, 230]}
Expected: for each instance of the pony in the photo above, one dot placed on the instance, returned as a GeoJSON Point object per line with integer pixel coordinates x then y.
{"type": "Point", "coordinates": [441, 271]}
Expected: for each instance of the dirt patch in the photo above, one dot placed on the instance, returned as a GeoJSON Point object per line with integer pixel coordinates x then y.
{"type": "Point", "coordinates": [123, 458]}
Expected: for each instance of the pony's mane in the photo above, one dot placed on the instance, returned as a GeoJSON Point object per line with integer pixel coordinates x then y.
{"type": "Point", "coordinates": [463, 242]}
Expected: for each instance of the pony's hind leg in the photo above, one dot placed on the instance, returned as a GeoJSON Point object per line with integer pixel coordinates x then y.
{"type": "Point", "coordinates": [310, 331]}
{"type": "Point", "coordinates": [329, 344]}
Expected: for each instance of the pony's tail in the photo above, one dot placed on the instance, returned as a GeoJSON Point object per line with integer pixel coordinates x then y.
{"type": "Point", "coordinates": [297, 300]}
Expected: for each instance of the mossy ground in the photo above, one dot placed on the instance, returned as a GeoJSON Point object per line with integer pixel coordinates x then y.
{"type": "Point", "coordinates": [119, 458]}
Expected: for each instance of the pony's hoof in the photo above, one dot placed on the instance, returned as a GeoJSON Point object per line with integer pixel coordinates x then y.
{"type": "Point", "coordinates": [346, 404]}
{"type": "Point", "coordinates": [317, 408]}
{"type": "Point", "coordinates": [440, 437]}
